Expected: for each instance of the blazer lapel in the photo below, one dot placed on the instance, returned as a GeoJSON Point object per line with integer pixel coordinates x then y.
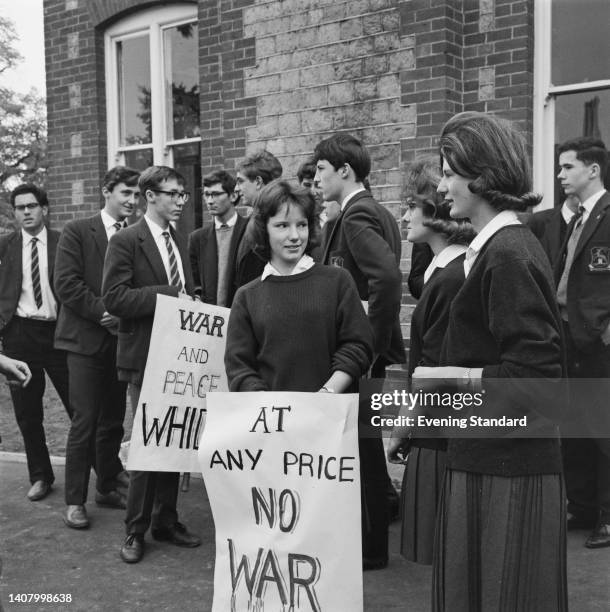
{"type": "Point", "coordinates": [99, 235]}
{"type": "Point", "coordinates": [597, 214]}
{"type": "Point", "coordinates": [52, 238]}
{"type": "Point", "coordinates": [210, 258]}
{"type": "Point", "coordinates": [149, 247]}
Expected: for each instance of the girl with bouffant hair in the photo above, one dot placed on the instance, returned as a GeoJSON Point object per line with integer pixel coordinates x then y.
{"type": "Point", "coordinates": [428, 223]}
{"type": "Point", "coordinates": [500, 534]}
{"type": "Point", "coordinates": [300, 326]}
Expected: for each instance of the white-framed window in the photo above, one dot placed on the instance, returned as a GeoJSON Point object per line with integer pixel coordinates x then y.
{"type": "Point", "coordinates": [571, 82]}
{"type": "Point", "coordinates": [152, 94]}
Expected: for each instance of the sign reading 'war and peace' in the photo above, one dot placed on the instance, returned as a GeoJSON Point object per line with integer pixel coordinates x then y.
{"type": "Point", "coordinates": [185, 364]}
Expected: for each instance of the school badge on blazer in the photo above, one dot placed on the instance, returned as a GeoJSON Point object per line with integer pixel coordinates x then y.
{"type": "Point", "coordinates": [336, 260]}
{"type": "Point", "coordinates": [599, 259]}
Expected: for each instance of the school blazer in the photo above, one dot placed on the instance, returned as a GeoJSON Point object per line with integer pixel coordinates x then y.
{"type": "Point", "coordinates": [365, 240]}
{"type": "Point", "coordinates": [79, 266]}
{"type": "Point", "coordinates": [203, 255]}
{"type": "Point", "coordinates": [134, 275]}
{"type": "Point", "coordinates": [588, 291]}
{"type": "Point", "coordinates": [550, 229]}
{"type": "Point", "coordinates": [11, 277]}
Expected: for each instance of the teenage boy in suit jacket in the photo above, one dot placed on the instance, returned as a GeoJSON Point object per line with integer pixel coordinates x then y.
{"type": "Point", "coordinates": [28, 315]}
{"type": "Point", "coordinates": [582, 274]}
{"type": "Point", "coordinates": [144, 260]}
{"type": "Point", "coordinates": [365, 240]}
{"type": "Point", "coordinates": [213, 247]}
{"type": "Point", "coordinates": [88, 333]}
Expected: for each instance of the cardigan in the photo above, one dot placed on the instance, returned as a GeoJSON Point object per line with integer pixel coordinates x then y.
{"type": "Point", "coordinates": [505, 319]}
{"type": "Point", "coordinates": [290, 333]}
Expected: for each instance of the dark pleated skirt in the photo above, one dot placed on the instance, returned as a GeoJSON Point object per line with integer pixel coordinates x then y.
{"type": "Point", "coordinates": [422, 484]}
{"type": "Point", "coordinates": [500, 544]}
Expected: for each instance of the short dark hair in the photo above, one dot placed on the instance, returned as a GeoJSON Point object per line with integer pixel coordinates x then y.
{"type": "Point", "coordinates": [341, 149]}
{"type": "Point", "coordinates": [152, 177]}
{"type": "Point", "coordinates": [263, 164]}
{"type": "Point", "coordinates": [226, 180]}
{"type": "Point", "coordinates": [269, 200]}
{"type": "Point", "coordinates": [307, 170]}
{"type": "Point", "coordinates": [492, 153]}
{"type": "Point", "coordinates": [421, 182]}
{"type": "Point", "coordinates": [39, 193]}
{"type": "Point", "coordinates": [120, 174]}
{"type": "Point", "coordinates": [588, 150]}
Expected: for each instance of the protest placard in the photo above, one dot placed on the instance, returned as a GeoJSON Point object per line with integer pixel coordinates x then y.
{"type": "Point", "coordinates": [282, 475]}
{"type": "Point", "coordinates": [185, 363]}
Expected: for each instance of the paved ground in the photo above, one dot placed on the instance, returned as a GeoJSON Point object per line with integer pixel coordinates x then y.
{"type": "Point", "coordinates": [40, 555]}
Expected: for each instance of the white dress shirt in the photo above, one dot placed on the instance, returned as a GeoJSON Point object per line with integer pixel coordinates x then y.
{"type": "Point", "coordinates": [109, 226]}
{"type": "Point", "coordinates": [157, 232]}
{"type": "Point", "coordinates": [303, 264]}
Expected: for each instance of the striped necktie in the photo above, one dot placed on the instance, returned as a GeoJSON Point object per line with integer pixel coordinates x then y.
{"type": "Point", "coordinates": [174, 279]}
{"type": "Point", "coordinates": [117, 226]}
{"type": "Point", "coordinates": [36, 274]}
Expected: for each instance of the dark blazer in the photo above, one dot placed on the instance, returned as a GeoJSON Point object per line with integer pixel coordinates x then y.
{"type": "Point", "coordinates": [365, 240]}
{"type": "Point", "coordinates": [421, 256]}
{"type": "Point", "coordinates": [550, 228]}
{"type": "Point", "coordinates": [11, 277]}
{"type": "Point", "coordinates": [588, 299]}
{"type": "Point", "coordinates": [79, 265]}
{"type": "Point", "coordinates": [203, 254]}
{"type": "Point", "coordinates": [134, 275]}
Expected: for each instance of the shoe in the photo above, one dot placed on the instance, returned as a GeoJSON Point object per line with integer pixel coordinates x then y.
{"type": "Point", "coordinates": [132, 550]}
{"type": "Point", "coordinates": [112, 499]}
{"type": "Point", "coordinates": [122, 480]}
{"type": "Point", "coordinates": [576, 521]}
{"type": "Point", "coordinates": [177, 534]}
{"type": "Point", "coordinates": [374, 563]}
{"type": "Point", "coordinates": [76, 517]}
{"type": "Point", "coordinates": [39, 490]}
{"type": "Point", "coordinates": [600, 538]}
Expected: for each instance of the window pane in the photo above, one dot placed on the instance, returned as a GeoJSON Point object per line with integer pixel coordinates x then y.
{"type": "Point", "coordinates": [182, 81]}
{"type": "Point", "coordinates": [187, 161]}
{"type": "Point", "coordinates": [581, 45]}
{"type": "Point", "coordinates": [139, 160]}
{"type": "Point", "coordinates": [581, 114]}
{"type": "Point", "coordinates": [133, 58]}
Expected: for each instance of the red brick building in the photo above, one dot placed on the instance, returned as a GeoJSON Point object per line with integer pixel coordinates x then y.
{"type": "Point", "coordinates": [197, 84]}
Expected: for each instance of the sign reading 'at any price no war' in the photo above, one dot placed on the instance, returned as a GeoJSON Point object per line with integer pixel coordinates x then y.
{"type": "Point", "coordinates": [185, 363]}
{"type": "Point", "coordinates": [282, 474]}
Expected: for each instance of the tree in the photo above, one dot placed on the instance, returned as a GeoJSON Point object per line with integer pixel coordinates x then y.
{"type": "Point", "coordinates": [23, 129]}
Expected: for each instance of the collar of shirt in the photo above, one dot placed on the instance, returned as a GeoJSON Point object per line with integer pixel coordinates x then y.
{"type": "Point", "coordinates": [349, 196]}
{"type": "Point", "coordinates": [589, 203]}
{"type": "Point", "coordinates": [155, 229]}
{"type": "Point", "coordinates": [109, 222]}
{"type": "Point", "coordinates": [303, 264]}
{"type": "Point", "coordinates": [231, 222]}
{"type": "Point", "coordinates": [567, 213]}
{"type": "Point", "coordinates": [502, 219]}
{"type": "Point", "coordinates": [41, 236]}
{"type": "Point", "coordinates": [446, 256]}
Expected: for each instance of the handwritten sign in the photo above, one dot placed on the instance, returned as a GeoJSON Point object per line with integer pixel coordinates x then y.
{"type": "Point", "coordinates": [282, 475]}
{"type": "Point", "coordinates": [185, 363]}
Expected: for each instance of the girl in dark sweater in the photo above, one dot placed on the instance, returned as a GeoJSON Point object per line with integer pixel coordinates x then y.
{"type": "Point", "coordinates": [429, 223]}
{"type": "Point", "coordinates": [300, 326]}
{"type": "Point", "coordinates": [500, 540]}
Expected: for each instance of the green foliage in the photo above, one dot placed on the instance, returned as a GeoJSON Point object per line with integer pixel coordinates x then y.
{"type": "Point", "coordinates": [23, 130]}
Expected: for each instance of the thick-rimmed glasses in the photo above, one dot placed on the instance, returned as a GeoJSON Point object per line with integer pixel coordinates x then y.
{"type": "Point", "coordinates": [175, 195]}
{"type": "Point", "coordinates": [207, 195]}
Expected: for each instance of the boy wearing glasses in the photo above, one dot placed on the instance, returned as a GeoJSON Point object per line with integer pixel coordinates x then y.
{"type": "Point", "coordinates": [213, 247]}
{"type": "Point", "coordinates": [28, 315]}
{"type": "Point", "coordinates": [144, 260]}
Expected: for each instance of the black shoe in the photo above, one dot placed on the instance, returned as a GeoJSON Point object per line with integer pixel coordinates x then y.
{"type": "Point", "coordinates": [600, 538]}
{"type": "Point", "coordinates": [75, 517]}
{"type": "Point", "coordinates": [177, 534]}
{"type": "Point", "coordinates": [374, 563]}
{"type": "Point", "coordinates": [122, 480]}
{"type": "Point", "coordinates": [112, 499]}
{"type": "Point", "coordinates": [132, 550]}
{"type": "Point", "coordinates": [39, 490]}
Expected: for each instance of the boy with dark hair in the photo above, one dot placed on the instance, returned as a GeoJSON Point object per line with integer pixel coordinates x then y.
{"type": "Point", "coordinates": [213, 247]}
{"type": "Point", "coordinates": [28, 315]}
{"type": "Point", "coordinates": [88, 333]}
{"type": "Point", "coordinates": [365, 240]}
